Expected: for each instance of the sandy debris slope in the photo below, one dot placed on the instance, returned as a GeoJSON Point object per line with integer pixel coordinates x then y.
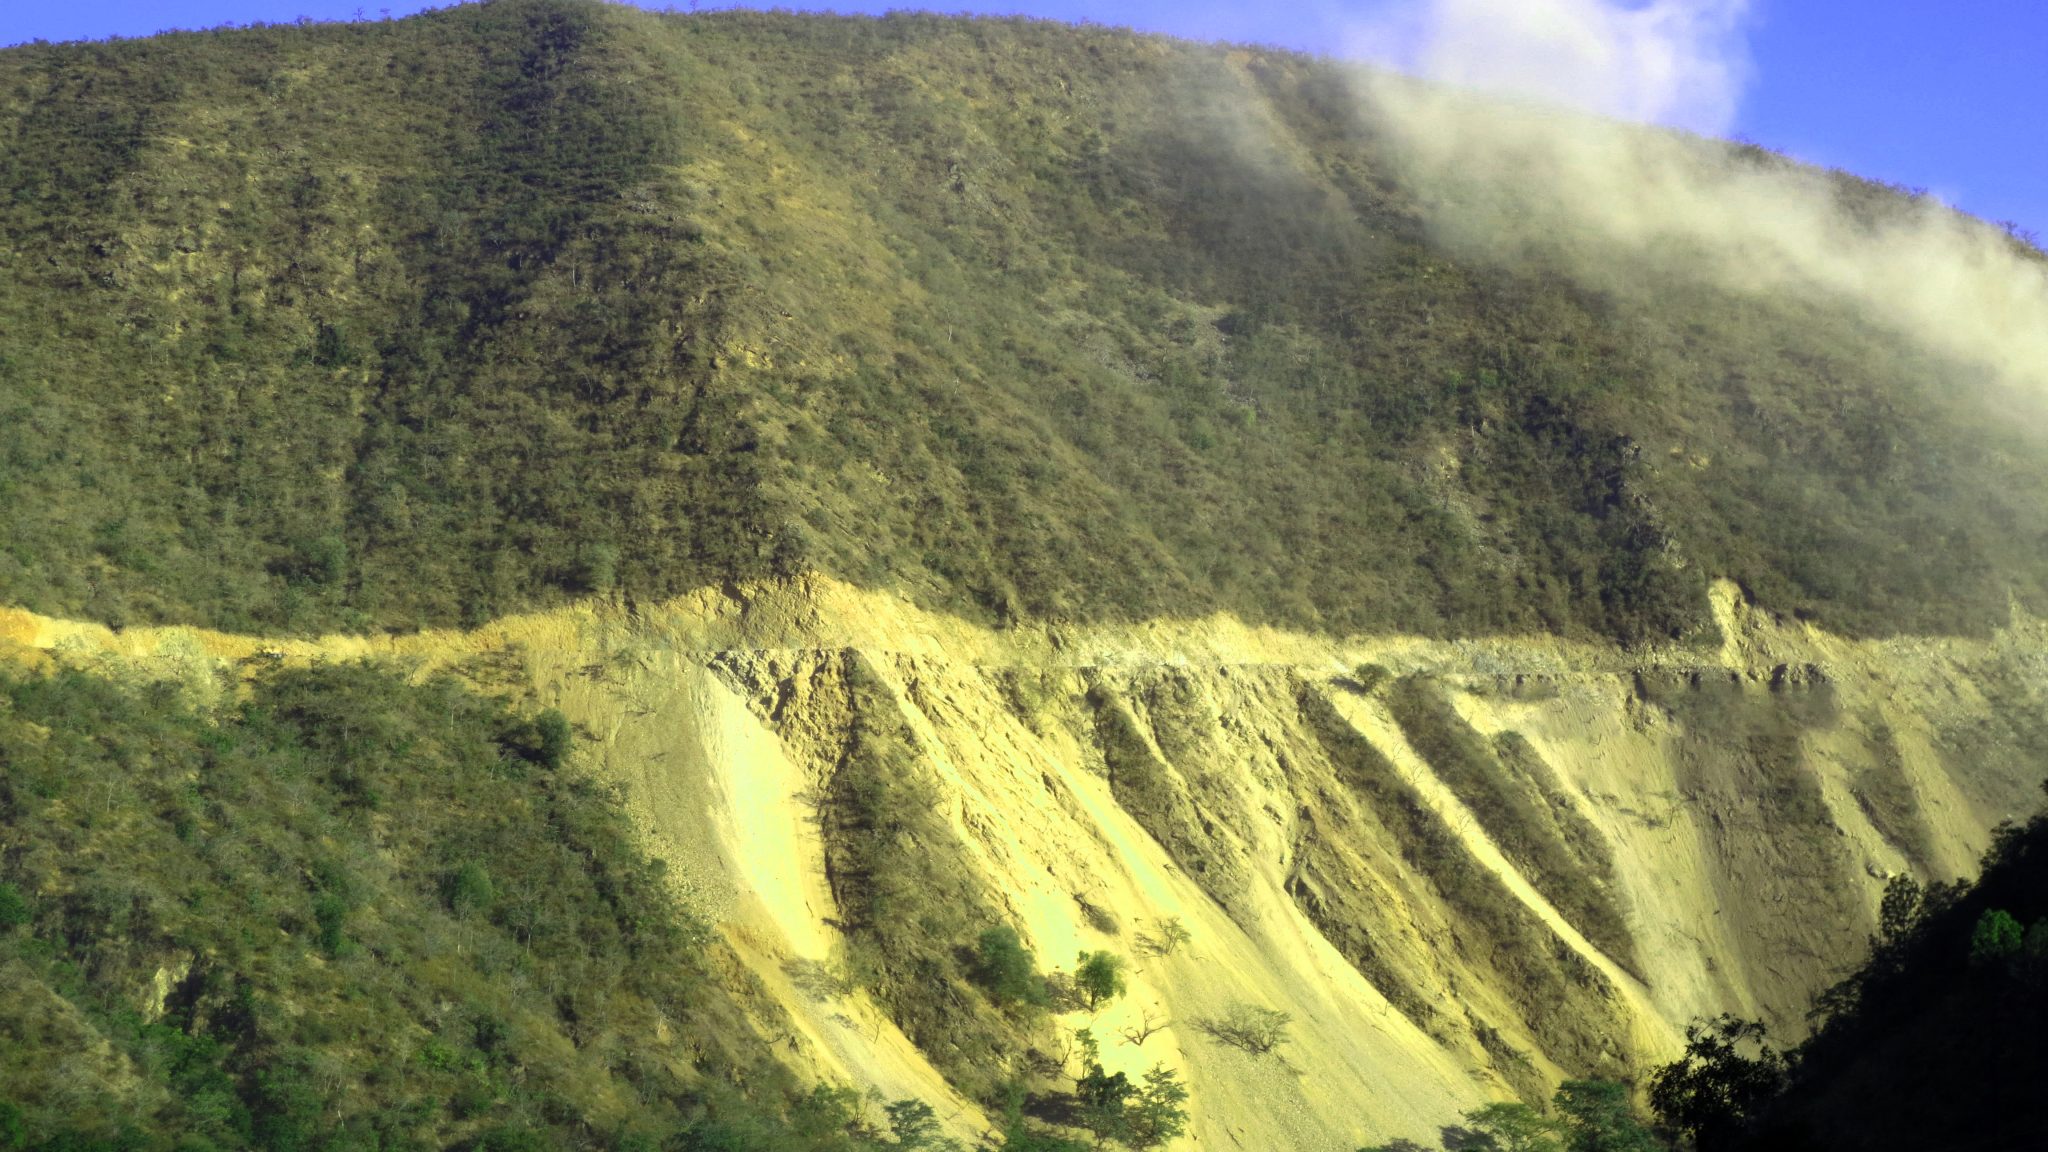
{"type": "Point", "coordinates": [1902, 754]}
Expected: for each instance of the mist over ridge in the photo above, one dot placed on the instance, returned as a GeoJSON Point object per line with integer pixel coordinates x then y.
{"type": "Point", "coordinates": [1531, 141]}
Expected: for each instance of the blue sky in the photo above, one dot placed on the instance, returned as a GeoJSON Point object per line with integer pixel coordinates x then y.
{"type": "Point", "coordinates": [1952, 97]}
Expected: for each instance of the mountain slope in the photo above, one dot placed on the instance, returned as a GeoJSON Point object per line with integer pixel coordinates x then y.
{"type": "Point", "coordinates": [1935, 1041]}
{"type": "Point", "coordinates": [523, 301]}
{"type": "Point", "coordinates": [1085, 784]}
{"type": "Point", "coordinates": [953, 475]}
{"type": "Point", "coordinates": [350, 912]}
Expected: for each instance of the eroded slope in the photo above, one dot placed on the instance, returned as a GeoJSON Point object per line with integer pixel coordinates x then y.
{"type": "Point", "coordinates": [1736, 810]}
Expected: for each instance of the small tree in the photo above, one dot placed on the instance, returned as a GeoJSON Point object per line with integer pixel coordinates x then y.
{"type": "Point", "coordinates": [1249, 1028]}
{"type": "Point", "coordinates": [1110, 1107]}
{"type": "Point", "coordinates": [1997, 937]}
{"type": "Point", "coordinates": [1159, 1115]}
{"type": "Point", "coordinates": [1137, 1034]}
{"type": "Point", "coordinates": [1514, 1127]}
{"type": "Point", "coordinates": [1100, 977]}
{"type": "Point", "coordinates": [468, 891]}
{"type": "Point", "coordinates": [2036, 944]}
{"type": "Point", "coordinates": [1599, 1117]}
{"type": "Point", "coordinates": [1102, 1102]}
{"type": "Point", "coordinates": [1006, 968]}
{"type": "Point", "coordinates": [1717, 1088]}
{"type": "Point", "coordinates": [1167, 938]}
{"type": "Point", "coordinates": [914, 1126]}
{"type": "Point", "coordinates": [1898, 913]}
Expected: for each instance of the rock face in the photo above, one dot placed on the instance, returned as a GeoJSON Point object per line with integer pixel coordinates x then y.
{"type": "Point", "coordinates": [1462, 868]}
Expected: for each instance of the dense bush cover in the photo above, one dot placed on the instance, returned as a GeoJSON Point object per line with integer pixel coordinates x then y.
{"type": "Point", "coordinates": [351, 912]}
{"type": "Point", "coordinates": [390, 323]}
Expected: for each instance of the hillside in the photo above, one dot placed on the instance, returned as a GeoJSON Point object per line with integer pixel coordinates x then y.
{"type": "Point", "coordinates": [1934, 1041]}
{"type": "Point", "coordinates": [394, 324]}
{"type": "Point", "coordinates": [348, 912]}
{"type": "Point", "coordinates": [572, 577]}
{"type": "Point", "coordinates": [850, 789]}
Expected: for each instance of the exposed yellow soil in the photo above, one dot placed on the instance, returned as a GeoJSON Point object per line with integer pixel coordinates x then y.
{"type": "Point", "coordinates": [700, 708]}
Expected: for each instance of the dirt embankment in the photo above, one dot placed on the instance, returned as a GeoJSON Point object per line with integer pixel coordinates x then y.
{"type": "Point", "coordinates": [1721, 820]}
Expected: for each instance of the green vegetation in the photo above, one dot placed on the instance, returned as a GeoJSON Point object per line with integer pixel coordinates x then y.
{"type": "Point", "coordinates": [1588, 1116]}
{"type": "Point", "coordinates": [1006, 968]}
{"type": "Point", "coordinates": [1584, 844]}
{"type": "Point", "coordinates": [392, 346]}
{"type": "Point", "coordinates": [1099, 977]}
{"type": "Point", "coordinates": [14, 910]}
{"type": "Point", "coordinates": [1253, 1029]}
{"type": "Point", "coordinates": [962, 985]}
{"type": "Point", "coordinates": [1717, 1089]}
{"type": "Point", "coordinates": [381, 325]}
{"type": "Point", "coordinates": [1601, 1117]}
{"type": "Point", "coordinates": [1742, 764]}
{"type": "Point", "coordinates": [347, 911]}
{"type": "Point", "coordinates": [1997, 938]}
{"type": "Point", "coordinates": [1935, 1041]}
{"type": "Point", "coordinates": [2008, 742]}
{"type": "Point", "coordinates": [1167, 937]}
{"type": "Point", "coordinates": [1502, 1127]}
{"type": "Point", "coordinates": [1145, 1115]}
{"type": "Point", "coordinates": [1523, 811]}
{"type": "Point", "coordinates": [920, 937]}
{"type": "Point", "coordinates": [1153, 792]}
{"type": "Point", "coordinates": [1108, 1106]}
{"type": "Point", "coordinates": [394, 323]}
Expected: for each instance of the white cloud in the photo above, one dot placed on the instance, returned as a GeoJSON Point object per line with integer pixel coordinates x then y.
{"type": "Point", "coordinates": [1552, 174]}
{"type": "Point", "coordinates": [1678, 62]}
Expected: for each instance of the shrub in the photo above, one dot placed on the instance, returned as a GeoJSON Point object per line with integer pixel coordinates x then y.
{"type": "Point", "coordinates": [330, 912]}
{"type": "Point", "coordinates": [1006, 969]}
{"type": "Point", "coordinates": [1515, 1127]}
{"type": "Point", "coordinates": [1997, 937]}
{"type": "Point", "coordinates": [1100, 977]}
{"type": "Point", "coordinates": [468, 890]}
{"type": "Point", "coordinates": [555, 738]}
{"type": "Point", "coordinates": [14, 910]}
{"type": "Point", "coordinates": [1248, 1027]}
{"type": "Point", "coordinates": [2037, 941]}
{"type": "Point", "coordinates": [1167, 938]}
{"type": "Point", "coordinates": [1600, 1118]}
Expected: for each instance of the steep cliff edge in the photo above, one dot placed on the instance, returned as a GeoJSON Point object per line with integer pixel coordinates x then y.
{"type": "Point", "coordinates": [1463, 868]}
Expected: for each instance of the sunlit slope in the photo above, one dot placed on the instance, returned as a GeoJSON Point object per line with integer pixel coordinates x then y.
{"type": "Point", "coordinates": [1267, 788]}
{"type": "Point", "coordinates": [964, 472]}
{"type": "Point", "coordinates": [423, 322]}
